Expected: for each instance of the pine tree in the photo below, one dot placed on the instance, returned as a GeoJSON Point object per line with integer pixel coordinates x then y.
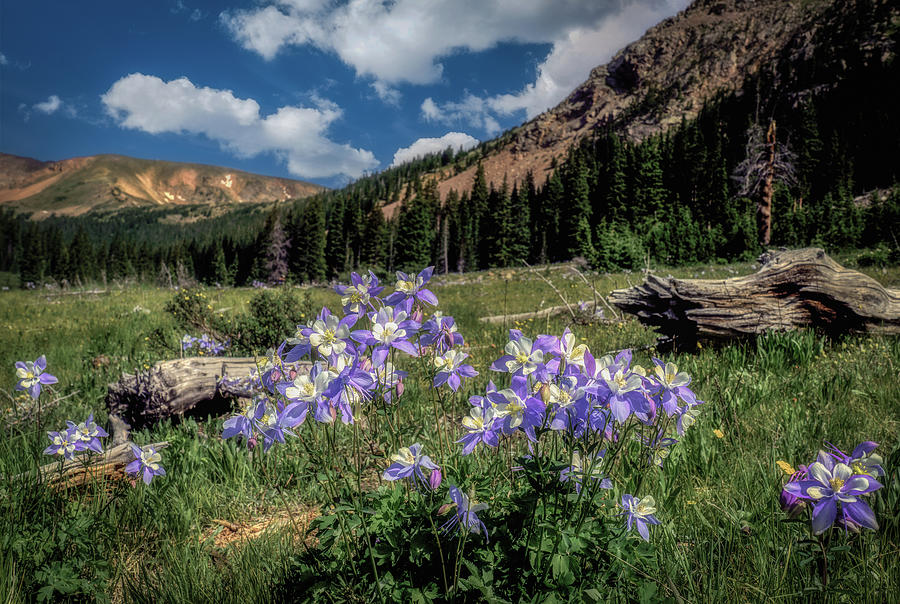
{"type": "Point", "coordinates": [415, 229]}
{"type": "Point", "coordinates": [479, 207]}
{"type": "Point", "coordinates": [649, 193]}
{"type": "Point", "coordinates": [616, 187]}
{"type": "Point", "coordinates": [809, 154]}
{"type": "Point", "coordinates": [311, 242]}
{"type": "Point", "coordinates": [336, 241]}
{"type": "Point", "coordinates": [551, 240]}
{"type": "Point", "coordinates": [576, 227]}
{"type": "Point", "coordinates": [220, 271]}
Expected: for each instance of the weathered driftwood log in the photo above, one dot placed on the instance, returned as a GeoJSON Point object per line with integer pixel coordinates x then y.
{"type": "Point", "coordinates": [793, 289]}
{"type": "Point", "coordinates": [171, 388]}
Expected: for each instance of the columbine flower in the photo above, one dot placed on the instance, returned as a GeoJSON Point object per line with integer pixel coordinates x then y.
{"type": "Point", "coordinates": [639, 512]}
{"type": "Point", "coordinates": [674, 386]}
{"type": "Point", "coordinates": [347, 388]}
{"type": "Point", "coordinates": [408, 463]}
{"type": "Point", "coordinates": [830, 484]}
{"type": "Point", "coordinates": [329, 334]}
{"type": "Point", "coordinates": [580, 470]}
{"type": "Point", "coordinates": [516, 408]}
{"type": "Point", "coordinates": [565, 347]}
{"type": "Point", "coordinates": [522, 356]}
{"type": "Point", "coordinates": [410, 288]}
{"type": "Point", "coordinates": [32, 377]}
{"type": "Point", "coordinates": [623, 392]}
{"type": "Point", "coordinates": [243, 422]}
{"type": "Point", "coordinates": [862, 460]}
{"type": "Point", "coordinates": [440, 332]}
{"type": "Point", "coordinates": [569, 401]}
{"type": "Point", "coordinates": [277, 420]}
{"type": "Point", "coordinates": [391, 329]}
{"type": "Point", "coordinates": [465, 514]}
{"type": "Point", "coordinates": [308, 387]}
{"type": "Point", "coordinates": [450, 368]}
{"type": "Point", "coordinates": [356, 297]}
{"type": "Point", "coordinates": [146, 462]}
{"type": "Point", "coordinates": [88, 434]}
{"type": "Point", "coordinates": [480, 424]}
{"type": "Point", "coordinates": [187, 342]}
{"type": "Point", "coordinates": [62, 443]}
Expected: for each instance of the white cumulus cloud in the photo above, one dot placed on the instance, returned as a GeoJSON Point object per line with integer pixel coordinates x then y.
{"type": "Point", "coordinates": [569, 64]}
{"type": "Point", "coordinates": [471, 110]}
{"type": "Point", "coordinates": [297, 135]}
{"type": "Point", "coordinates": [424, 146]}
{"type": "Point", "coordinates": [402, 41]}
{"type": "Point", "coordinates": [50, 106]}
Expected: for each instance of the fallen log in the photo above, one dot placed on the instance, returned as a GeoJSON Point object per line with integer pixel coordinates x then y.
{"type": "Point", "coordinates": [793, 289]}
{"type": "Point", "coordinates": [172, 388]}
{"type": "Point", "coordinates": [550, 311]}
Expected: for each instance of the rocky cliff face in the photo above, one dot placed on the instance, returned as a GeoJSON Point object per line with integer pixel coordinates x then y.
{"type": "Point", "coordinates": [75, 186]}
{"type": "Point", "coordinates": [710, 48]}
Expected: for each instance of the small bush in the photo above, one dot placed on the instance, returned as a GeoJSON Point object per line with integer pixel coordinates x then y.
{"type": "Point", "coordinates": [274, 316]}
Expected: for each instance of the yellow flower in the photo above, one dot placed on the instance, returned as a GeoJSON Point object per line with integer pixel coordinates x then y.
{"type": "Point", "coordinates": [785, 467]}
{"type": "Point", "coordinates": [719, 433]}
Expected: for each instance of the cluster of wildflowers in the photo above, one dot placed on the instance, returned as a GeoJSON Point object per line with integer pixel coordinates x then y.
{"type": "Point", "coordinates": [32, 376]}
{"type": "Point", "coordinates": [205, 345]}
{"type": "Point", "coordinates": [76, 438]}
{"type": "Point", "coordinates": [556, 385]}
{"type": "Point", "coordinates": [833, 486]}
{"type": "Point", "coordinates": [552, 385]}
{"type": "Point", "coordinates": [352, 358]}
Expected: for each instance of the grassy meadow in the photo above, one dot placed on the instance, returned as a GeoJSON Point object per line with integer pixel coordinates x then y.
{"type": "Point", "coordinates": [227, 524]}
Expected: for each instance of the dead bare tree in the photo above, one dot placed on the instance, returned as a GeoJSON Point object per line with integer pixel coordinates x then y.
{"type": "Point", "coordinates": [766, 162]}
{"type": "Point", "coordinates": [277, 253]}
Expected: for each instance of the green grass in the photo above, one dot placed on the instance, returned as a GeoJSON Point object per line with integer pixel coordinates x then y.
{"type": "Point", "coordinates": [723, 537]}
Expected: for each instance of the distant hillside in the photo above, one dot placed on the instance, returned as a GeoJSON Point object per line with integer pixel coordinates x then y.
{"type": "Point", "coordinates": [107, 182]}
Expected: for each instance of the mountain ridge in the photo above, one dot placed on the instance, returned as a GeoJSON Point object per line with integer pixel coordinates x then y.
{"type": "Point", "coordinates": [79, 185]}
{"type": "Point", "coordinates": [710, 48]}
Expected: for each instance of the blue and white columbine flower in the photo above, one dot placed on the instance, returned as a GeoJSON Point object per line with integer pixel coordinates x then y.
{"type": "Point", "coordinates": [408, 463]}
{"type": "Point", "coordinates": [146, 463]}
{"type": "Point", "coordinates": [450, 369]}
{"type": "Point", "coordinates": [465, 517]}
{"type": "Point", "coordinates": [639, 512]}
{"type": "Point", "coordinates": [32, 377]}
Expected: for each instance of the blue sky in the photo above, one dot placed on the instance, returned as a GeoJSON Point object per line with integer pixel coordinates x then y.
{"type": "Point", "coordinates": [317, 90]}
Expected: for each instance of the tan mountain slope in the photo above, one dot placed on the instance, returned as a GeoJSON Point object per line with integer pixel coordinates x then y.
{"type": "Point", "coordinates": [75, 186]}
{"type": "Point", "coordinates": [669, 73]}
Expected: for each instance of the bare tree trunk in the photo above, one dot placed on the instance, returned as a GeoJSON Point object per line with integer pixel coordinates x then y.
{"type": "Point", "coordinates": [764, 211]}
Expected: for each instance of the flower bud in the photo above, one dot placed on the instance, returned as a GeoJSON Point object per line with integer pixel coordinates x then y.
{"type": "Point", "coordinates": [434, 481]}
{"type": "Point", "coordinates": [251, 443]}
{"type": "Point", "coordinates": [399, 388]}
{"type": "Point", "coordinates": [417, 315]}
{"type": "Point", "coordinates": [445, 508]}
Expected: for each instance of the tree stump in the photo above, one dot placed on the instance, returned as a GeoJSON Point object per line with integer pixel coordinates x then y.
{"type": "Point", "coordinates": [793, 289]}
{"type": "Point", "coordinates": [171, 388]}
